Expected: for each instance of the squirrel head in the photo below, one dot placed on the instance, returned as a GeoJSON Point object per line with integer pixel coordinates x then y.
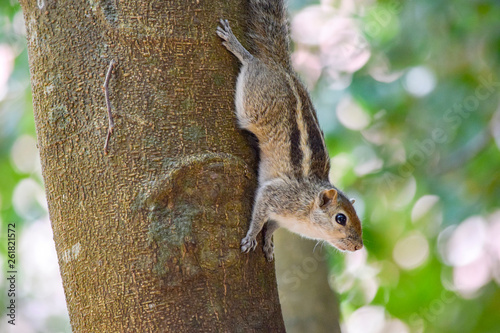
{"type": "Point", "coordinates": [335, 214]}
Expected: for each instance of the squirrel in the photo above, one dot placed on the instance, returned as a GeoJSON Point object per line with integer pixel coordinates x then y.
{"type": "Point", "coordinates": [294, 191]}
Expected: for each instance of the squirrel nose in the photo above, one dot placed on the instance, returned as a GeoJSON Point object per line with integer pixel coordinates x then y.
{"type": "Point", "coordinates": [358, 247]}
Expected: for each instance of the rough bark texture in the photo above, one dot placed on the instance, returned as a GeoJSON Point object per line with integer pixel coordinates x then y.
{"type": "Point", "coordinates": [148, 235]}
{"type": "Point", "coordinates": [307, 300]}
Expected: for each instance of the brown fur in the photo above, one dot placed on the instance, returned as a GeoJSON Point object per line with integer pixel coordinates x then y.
{"type": "Point", "coordinates": [294, 191]}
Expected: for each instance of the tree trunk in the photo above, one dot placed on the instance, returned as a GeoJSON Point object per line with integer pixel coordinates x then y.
{"type": "Point", "coordinates": [147, 235]}
{"type": "Point", "coordinates": [307, 300]}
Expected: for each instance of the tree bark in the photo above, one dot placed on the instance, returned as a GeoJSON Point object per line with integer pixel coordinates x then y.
{"type": "Point", "coordinates": [148, 235]}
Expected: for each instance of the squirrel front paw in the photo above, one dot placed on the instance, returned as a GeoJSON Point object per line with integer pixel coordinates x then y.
{"type": "Point", "coordinates": [268, 249]}
{"type": "Point", "coordinates": [248, 244]}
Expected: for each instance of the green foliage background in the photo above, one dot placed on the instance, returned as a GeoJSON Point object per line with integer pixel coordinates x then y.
{"type": "Point", "coordinates": [459, 42]}
{"type": "Point", "coordinates": [16, 111]}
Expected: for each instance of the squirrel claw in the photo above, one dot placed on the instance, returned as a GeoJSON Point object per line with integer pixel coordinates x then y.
{"type": "Point", "coordinates": [224, 30]}
{"type": "Point", "coordinates": [225, 24]}
{"type": "Point", "coordinates": [248, 244]}
{"type": "Point", "coordinates": [221, 33]}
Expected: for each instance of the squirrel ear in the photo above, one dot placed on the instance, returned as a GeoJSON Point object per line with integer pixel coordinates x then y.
{"type": "Point", "coordinates": [326, 197]}
{"type": "Point", "coordinates": [353, 201]}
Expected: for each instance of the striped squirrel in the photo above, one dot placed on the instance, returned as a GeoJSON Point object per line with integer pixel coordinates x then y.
{"type": "Point", "coordinates": [294, 191]}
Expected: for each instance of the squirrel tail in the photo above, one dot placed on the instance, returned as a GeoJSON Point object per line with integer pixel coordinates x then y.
{"type": "Point", "coordinates": [268, 30]}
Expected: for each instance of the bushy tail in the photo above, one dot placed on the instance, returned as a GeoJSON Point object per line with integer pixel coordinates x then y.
{"type": "Point", "coordinates": [268, 30]}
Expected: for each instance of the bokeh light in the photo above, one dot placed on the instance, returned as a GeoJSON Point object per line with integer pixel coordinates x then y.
{"type": "Point", "coordinates": [25, 155]}
{"type": "Point", "coordinates": [6, 66]}
{"type": "Point", "coordinates": [351, 115]}
{"type": "Point", "coordinates": [419, 81]}
{"type": "Point", "coordinates": [411, 251]}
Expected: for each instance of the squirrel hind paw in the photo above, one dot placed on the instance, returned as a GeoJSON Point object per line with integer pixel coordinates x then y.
{"type": "Point", "coordinates": [248, 244]}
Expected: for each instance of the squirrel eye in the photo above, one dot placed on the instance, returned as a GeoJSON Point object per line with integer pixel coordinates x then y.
{"type": "Point", "coordinates": [341, 219]}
